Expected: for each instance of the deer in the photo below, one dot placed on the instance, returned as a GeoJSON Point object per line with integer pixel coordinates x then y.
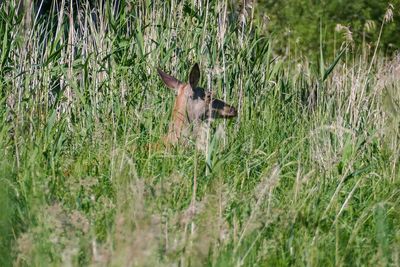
{"type": "Point", "coordinates": [194, 107]}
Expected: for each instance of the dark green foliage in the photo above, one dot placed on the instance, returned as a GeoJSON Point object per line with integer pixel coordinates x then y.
{"type": "Point", "coordinates": [296, 24]}
{"type": "Point", "coordinates": [306, 175]}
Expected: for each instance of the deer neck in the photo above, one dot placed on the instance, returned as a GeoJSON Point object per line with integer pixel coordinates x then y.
{"type": "Point", "coordinates": [180, 120]}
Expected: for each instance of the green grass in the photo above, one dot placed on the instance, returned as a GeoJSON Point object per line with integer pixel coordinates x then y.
{"type": "Point", "coordinates": [307, 175]}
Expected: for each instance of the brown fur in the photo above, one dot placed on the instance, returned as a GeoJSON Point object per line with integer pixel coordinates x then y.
{"type": "Point", "coordinates": [193, 106]}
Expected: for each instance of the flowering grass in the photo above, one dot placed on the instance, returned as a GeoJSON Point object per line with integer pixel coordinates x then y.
{"type": "Point", "coordinates": [306, 175]}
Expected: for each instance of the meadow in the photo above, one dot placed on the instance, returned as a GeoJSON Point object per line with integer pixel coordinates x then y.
{"type": "Point", "coordinates": [307, 174]}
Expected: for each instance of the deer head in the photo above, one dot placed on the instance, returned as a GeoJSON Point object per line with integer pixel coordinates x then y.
{"type": "Point", "coordinates": [192, 104]}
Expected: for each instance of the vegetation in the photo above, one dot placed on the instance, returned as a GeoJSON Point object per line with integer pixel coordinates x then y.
{"type": "Point", "coordinates": [300, 25]}
{"type": "Point", "coordinates": [306, 175]}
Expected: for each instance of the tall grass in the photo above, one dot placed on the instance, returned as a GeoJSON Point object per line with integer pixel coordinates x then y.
{"type": "Point", "coordinates": [308, 174]}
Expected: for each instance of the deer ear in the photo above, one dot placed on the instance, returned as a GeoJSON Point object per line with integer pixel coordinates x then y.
{"type": "Point", "coordinates": [194, 76]}
{"type": "Point", "coordinates": [169, 81]}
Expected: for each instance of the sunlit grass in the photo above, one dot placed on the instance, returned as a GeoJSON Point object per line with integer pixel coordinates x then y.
{"type": "Point", "coordinates": [307, 174]}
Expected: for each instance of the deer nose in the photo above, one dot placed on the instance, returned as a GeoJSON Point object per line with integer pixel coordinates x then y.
{"type": "Point", "coordinates": [232, 111]}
